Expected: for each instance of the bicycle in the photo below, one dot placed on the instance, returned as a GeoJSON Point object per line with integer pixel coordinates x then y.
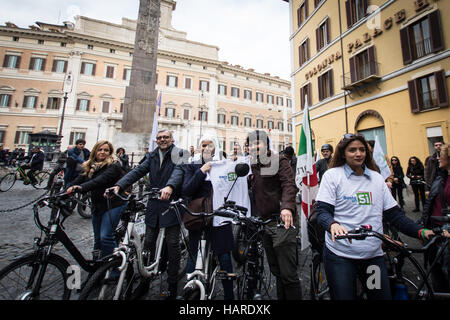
{"type": "Point", "coordinates": [43, 274]}
{"type": "Point", "coordinates": [120, 277]}
{"type": "Point", "coordinates": [8, 181]}
{"type": "Point", "coordinates": [422, 290]}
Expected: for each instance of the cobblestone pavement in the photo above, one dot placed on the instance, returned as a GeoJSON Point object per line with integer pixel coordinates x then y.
{"type": "Point", "coordinates": [17, 231]}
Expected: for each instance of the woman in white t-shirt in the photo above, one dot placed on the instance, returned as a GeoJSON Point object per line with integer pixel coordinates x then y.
{"type": "Point", "coordinates": [352, 193]}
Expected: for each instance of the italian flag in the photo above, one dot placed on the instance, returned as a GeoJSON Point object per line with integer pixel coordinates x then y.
{"type": "Point", "coordinates": [306, 175]}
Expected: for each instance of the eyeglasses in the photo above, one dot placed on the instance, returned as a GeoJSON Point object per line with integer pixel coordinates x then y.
{"type": "Point", "coordinates": [162, 137]}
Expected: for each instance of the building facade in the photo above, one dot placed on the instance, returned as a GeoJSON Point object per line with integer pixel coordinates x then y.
{"type": "Point", "coordinates": [376, 67]}
{"type": "Point", "coordinates": [200, 95]}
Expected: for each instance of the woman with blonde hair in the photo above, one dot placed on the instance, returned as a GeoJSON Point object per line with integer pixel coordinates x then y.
{"type": "Point", "coordinates": [100, 172]}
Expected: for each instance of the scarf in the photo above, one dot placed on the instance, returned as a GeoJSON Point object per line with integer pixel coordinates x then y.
{"type": "Point", "coordinates": [95, 166]}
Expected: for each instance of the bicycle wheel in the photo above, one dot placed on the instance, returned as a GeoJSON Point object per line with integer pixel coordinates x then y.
{"type": "Point", "coordinates": [7, 181]}
{"type": "Point", "coordinates": [18, 278]}
{"type": "Point", "coordinates": [318, 284]}
{"type": "Point", "coordinates": [192, 293]}
{"type": "Point", "coordinates": [42, 179]}
{"type": "Point", "coordinates": [84, 209]}
{"type": "Point", "coordinates": [103, 283]}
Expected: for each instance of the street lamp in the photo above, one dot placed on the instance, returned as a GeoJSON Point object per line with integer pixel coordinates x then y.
{"type": "Point", "coordinates": [99, 123]}
{"type": "Point", "coordinates": [201, 105]}
{"type": "Point", "coordinates": [67, 88]}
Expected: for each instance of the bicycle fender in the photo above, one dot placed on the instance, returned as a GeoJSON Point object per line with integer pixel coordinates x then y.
{"type": "Point", "coordinates": [196, 283]}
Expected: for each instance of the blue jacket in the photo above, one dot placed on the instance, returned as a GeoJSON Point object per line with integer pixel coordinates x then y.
{"type": "Point", "coordinates": [194, 185]}
{"type": "Point", "coordinates": [75, 153]}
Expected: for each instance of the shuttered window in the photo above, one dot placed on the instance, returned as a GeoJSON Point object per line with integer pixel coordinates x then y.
{"type": "Point", "coordinates": [235, 92]}
{"type": "Point", "coordinates": [88, 68]}
{"type": "Point", "coordinates": [83, 104]}
{"type": "Point", "coordinates": [222, 89]}
{"type": "Point", "coordinates": [59, 66]}
{"type": "Point", "coordinates": [203, 115]}
{"type": "Point", "coordinates": [247, 95]}
{"type": "Point", "coordinates": [302, 13]}
{"type": "Point", "coordinates": [172, 81]}
{"type": "Point", "coordinates": [37, 64]}
{"type": "Point", "coordinates": [186, 114]}
{"type": "Point", "coordinates": [363, 65]}
{"type": "Point", "coordinates": [203, 85]}
{"type": "Point", "coordinates": [221, 118]}
{"type": "Point", "coordinates": [248, 122]}
{"type": "Point", "coordinates": [5, 100]}
{"type": "Point", "coordinates": [187, 83]}
{"type": "Point", "coordinates": [259, 97]}
{"type": "Point", "coordinates": [29, 102]}
{"type": "Point", "coordinates": [355, 10]}
{"type": "Point", "coordinates": [109, 72]}
{"type": "Point", "coordinates": [234, 120]}
{"type": "Point", "coordinates": [323, 35]}
{"type": "Point", "coordinates": [11, 61]}
{"type": "Point", "coordinates": [53, 103]}
{"type": "Point", "coordinates": [428, 92]}
{"type": "Point", "coordinates": [303, 52]}
{"type": "Point", "coordinates": [305, 91]}
{"type": "Point", "coordinates": [422, 38]}
{"type": "Point", "coordinates": [325, 84]}
{"type": "Point", "coordinates": [105, 107]}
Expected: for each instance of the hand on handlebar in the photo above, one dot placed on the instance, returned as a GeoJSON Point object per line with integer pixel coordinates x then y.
{"type": "Point", "coordinates": [73, 189]}
{"type": "Point", "coordinates": [114, 190]}
{"type": "Point", "coordinates": [166, 193]}
{"type": "Point", "coordinates": [337, 230]}
{"type": "Point", "coordinates": [286, 216]}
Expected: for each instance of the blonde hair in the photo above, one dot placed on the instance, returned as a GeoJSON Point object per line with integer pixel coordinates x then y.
{"type": "Point", "coordinates": [111, 159]}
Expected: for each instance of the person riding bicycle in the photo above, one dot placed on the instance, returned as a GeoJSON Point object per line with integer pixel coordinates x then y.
{"type": "Point", "coordinates": [273, 187]}
{"type": "Point", "coordinates": [437, 205]}
{"type": "Point", "coordinates": [101, 171]}
{"type": "Point", "coordinates": [164, 166]}
{"type": "Point", "coordinates": [322, 164]}
{"type": "Point", "coordinates": [353, 193]}
{"type": "Point", "coordinates": [36, 163]}
{"type": "Point", "coordinates": [221, 236]}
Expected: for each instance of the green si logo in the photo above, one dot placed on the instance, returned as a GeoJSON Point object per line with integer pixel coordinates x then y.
{"type": "Point", "coordinates": [232, 176]}
{"type": "Point", "coordinates": [364, 198]}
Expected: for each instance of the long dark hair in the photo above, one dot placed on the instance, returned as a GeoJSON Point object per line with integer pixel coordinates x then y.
{"type": "Point", "coordinates": [338, 159]}
{"type": "Point", "coordinates": [419, 163]}
{"type": "Point", "coordinates": [398, 161]}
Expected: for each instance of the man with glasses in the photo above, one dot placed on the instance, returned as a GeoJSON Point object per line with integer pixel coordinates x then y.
{"type": "Point", "coordinates": [164, 166]}
{"type": "Point", "coordinates": [322, 164]}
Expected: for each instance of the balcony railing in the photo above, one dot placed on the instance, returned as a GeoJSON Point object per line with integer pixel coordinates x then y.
{"type": "Point", "coordinates": [365, 74]}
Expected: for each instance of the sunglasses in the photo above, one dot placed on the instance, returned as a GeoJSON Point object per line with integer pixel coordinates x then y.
{"type": "Point", "coordinates": [349, 136]}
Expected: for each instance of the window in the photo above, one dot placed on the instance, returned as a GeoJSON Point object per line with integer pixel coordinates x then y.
{"type": "Point", "coordinates": [11, 61]}
{"type": "Point", "coordinates": [316, 3]}
{"type": "Point", "coordinates": [221, 118]}
{"type": "Point", "coordinates": [248, 94]}
{"type": "Point", "coordinates": [37, 64]}
{"type": "Point", "coordinates": [302, 13]}
{"type": "Point", "coordinates": [222, 89]}
{"type": "Point", "coordinates": [53, 103]}
{"type": "Point", "coordinates": [270, 124]}
{"type": "Point", "coordinates": [270, 99]}
{"type": "Point", "coordinates": [303, 52]}
{"type": "Point", "coordinates": [29, 102]}
{"type": "Point", "coordinates": [234, 120]}
{"type": "Point", "coordinates": [422, 38]}
{"type": "Point", "coordinates": [248, 122]}
{"type": "Point", "coordinates": [259, 97]}
{"type": "Point", "coordinates": [63, 44]}
{"type": "Point", "coordinates": [105, 107]}
{"type": "Point", "coordinates": [74, 136]}
{"type": "Point", "coordinates": [363, 65]}
{"type": "Point", "coordinates": [289, 127]}
{"type": "Point", "coordinates": [305, 92]}
{"type": "Point", "coordinates": [90, 47]}
{"type": "Point", "coordinates": [235, 92]}
{"type": "Point", "coordinates": [203, 115]}
{"type": "Point", "coordinates": [259, 123]}
{"type": "Point", "coordinates": [83, 104]}
{"type": "Point", "coordinates": [323, 35]}
{"type": "Point", "coordinates": [428, 92]}
{"type": "Point", "coordinates": [186, 114]}
{"type": "Point", "coordinates": [121, 107]}
{"type": "Point", "coordinates": [5, 100]}
{"type": "Point", "coordinates": [279, 101]}
{"type": "Point", "coordinates": [88, 68]}
{"type": "Point", "coordinates": [40, 41]}
{"type": "Point", "coordinates": [204, 85]}
{"type": "Point", "coordinates": [2, 136]}
{"type": "Point", "coordinates": [289, 103]}
{"type": "Point", "coordinates": [172, 81]}
{"type": "Point", "coordinates": [326, 85]}
{"type": "Point", "coordinates": [22, 137]}
{"type": "Point", "coordinates": [280, 126]}
{"type": "Point", "coordinates": [59, 66]}
{"type": "Point", "coordinates": [15, 39]}
{"type": "Point", "coordinates": [355, 10]}
{"type": "Point", "coordinates": [110, 72]}
{"type": "Point", "coordinates": [126, 74]}
{"type": "Point", "coordinates": [112, 50]}
{"type": "Point", "coordinates": [170, 112]}
{"type": "Point", "coordinates": [187, 83]}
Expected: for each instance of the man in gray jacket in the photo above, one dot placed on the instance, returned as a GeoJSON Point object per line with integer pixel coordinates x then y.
{"type": "Point", "coordinates": [164, 166]}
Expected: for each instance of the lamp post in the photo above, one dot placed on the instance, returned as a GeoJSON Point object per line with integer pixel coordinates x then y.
{"type": "Point", "coordinates": [201, 105]}
{"type": "Point", "coordinates": [99, 124]}
{"type": "Point", "coordinates": [67, 88]}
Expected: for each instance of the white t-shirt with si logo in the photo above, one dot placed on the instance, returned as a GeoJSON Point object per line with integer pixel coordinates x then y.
{"type": "Point", "coordinates": [357, 200]}
{"type": "Point", "coordinates": [222, 177]}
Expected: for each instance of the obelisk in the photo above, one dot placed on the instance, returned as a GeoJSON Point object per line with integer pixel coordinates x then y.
{"type": "Point", "coordinates": [140, 95]}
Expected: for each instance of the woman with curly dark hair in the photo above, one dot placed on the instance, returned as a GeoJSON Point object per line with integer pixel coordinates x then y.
{"type": "Point", "coordinates": [398, 184]}
{"type": "Point", "coordinates": [415, 173]}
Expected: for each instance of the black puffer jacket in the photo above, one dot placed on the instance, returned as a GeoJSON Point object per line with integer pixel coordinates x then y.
{"type": "Point", "coordinates": [102, 179]}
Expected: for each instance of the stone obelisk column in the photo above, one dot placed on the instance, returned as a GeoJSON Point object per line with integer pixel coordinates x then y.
{"type": "Point", "coordinates": [140, 95]}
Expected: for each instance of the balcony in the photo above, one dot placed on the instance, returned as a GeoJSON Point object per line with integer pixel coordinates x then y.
{"type": "Point", "coordinates": [362, 76]}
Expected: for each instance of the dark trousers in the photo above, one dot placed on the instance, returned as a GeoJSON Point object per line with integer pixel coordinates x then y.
{"type": "Point", "coordinates": [30, 173]}
{"type": "Point", "coordinates": [419, 190]}
{"type": "Point", "coordinates": [172, 239]}
{"type": "Point", "coordinates": [342, 274]}
{"type": "Point", "coordinates": [397, 190]}
{"type": "Point", "coordinates": [281, 251]}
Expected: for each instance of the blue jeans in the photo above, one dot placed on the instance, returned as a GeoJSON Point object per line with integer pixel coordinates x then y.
{"type": "Point", "coordinates": [342, 273]}
{"type": "Point", "coordinates": [104, 226]}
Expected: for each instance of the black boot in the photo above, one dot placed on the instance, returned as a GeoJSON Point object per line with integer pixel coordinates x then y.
{"type": "Point", "coordinates": [173, 289]}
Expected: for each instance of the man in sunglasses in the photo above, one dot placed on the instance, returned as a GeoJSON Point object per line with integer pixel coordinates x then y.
{"type": "Point", "coordinates": [164, 166]}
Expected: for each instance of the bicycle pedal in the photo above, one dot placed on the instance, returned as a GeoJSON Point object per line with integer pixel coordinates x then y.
{"type": "Point", "coordinates": [223, 275]}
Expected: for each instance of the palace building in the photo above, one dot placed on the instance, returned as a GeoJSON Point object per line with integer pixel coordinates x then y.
{"type": "Point", "coordinates": [200, 95]}
{"type": "Point", "coordinates": [376, 67]}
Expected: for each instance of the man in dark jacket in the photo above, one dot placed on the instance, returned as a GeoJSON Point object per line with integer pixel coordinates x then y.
{"type": "Point", "coordinates": [80, 154]}
{"type": "Point", "coordinates": [164, 166]}
{"type": "Point", "coordinates": [432, 165]}
{"type": "Point", "coordinates": [322, 164]}
{"type": "Point", "coordinates": [36, 163]}
{"type": "Point", "coordinates": [273, 187]}
{"type": "Point", "coordinates": [289, 153]}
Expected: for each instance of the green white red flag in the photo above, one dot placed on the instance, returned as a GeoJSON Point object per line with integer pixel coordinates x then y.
{"type": "Point", "coordinates": [306, 175]}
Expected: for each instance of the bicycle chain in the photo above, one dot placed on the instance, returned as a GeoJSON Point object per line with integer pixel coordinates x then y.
{"type": "Point", "coordinates": [25, 205]}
